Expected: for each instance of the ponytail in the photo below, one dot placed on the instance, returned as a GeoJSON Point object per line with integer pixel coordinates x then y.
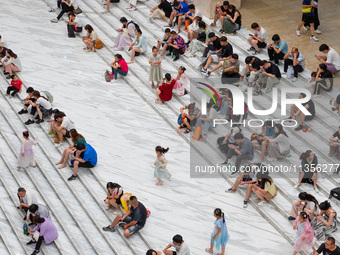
{"type": "Point", "coordinates": [305, 154]}
{"type": "Point", "coordinates": [218, 212]}
{"type": "Point", "coordinates": [223, 217]}
{"type": "Point", "coordinates": [161, 149]}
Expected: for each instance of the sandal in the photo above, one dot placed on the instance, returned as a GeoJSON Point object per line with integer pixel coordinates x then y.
{"type": "Point", "coordinates": [187, 131]}
{"type": "Point", "coordinates": [209, 251]}
{"type": "Point", "coordinates": [333, 109]}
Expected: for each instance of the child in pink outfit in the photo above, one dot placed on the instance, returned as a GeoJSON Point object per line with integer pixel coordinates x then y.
{"type": "Point", "coordinates": [304, 239]}
{"type": "Point", "coordinates": [26, 155]}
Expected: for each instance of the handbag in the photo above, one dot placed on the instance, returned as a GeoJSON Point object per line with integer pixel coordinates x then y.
{"type": "Point", "coordinates": [77, 11]}
{"type": "Point", "coordinates": [107, 76]}
{"type": "Point", "coordinates": [308, 9]}
{"type": "Point", "coordinates": [98, 44]}
{"type": "Point", "coordinates": [290, 72]}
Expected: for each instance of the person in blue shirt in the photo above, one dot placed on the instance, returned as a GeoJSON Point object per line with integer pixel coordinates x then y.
{"type": "Point", "coordinates": [277, 49]}
{"type": "Point", "coordinates": [267, 131]}
{"type": "Point", "coordinates": [86, 157]}
{"type": "Point", "coordinates": [180, 9]}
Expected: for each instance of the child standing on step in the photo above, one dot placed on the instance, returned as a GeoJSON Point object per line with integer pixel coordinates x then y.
{"type": "Point", "coordinates": [160, 165]}
{"type": "Point", "coordinates": [155, 73]}
{"type": "Point", "coordinates": [304, 239]}
{"type": "Point", "coordinates": [26, 155]}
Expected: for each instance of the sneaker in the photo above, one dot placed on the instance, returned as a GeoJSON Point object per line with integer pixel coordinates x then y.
{"type": "Point", "coordinates": [314, 38]}
{"type": "Point", "coordinates": [261, 203]}
{"type": "Point", "coordinates": [109, 229]}
{"type": "Point", "coordinates": [291, 218]}
{"type": "Point", "coordinates": [122, 224]}
{"type": "Point", "coordinates": [298, 128]}
{"type": "Point", "coordinates": [224, 163]}
{"type": "Point", "coordinates": [35, 252]}
{"type": "Point", "coordinates": [296, 186]}
{"type": "Point", "coordinates": [306, 28]}
{"type": "Point", "coordinates": [39, 121]}
{"type": "Point", "coordinates": [251, 49]}
{"type": "Point", "coordinates": [106, 11]}
{"type": "Point", "coordinates": [29, 122]}
{"type": "Point", "coordinates": [58, 144]}
{"type": "Point", "coordinates": [230, 190]}
{"type": "Point", "coordinates": [317, 31]}
{"type": "Point", "coordinates": [203, 70]}
{"type": "Point", "coordinates": [221, 31]}
{"type": "Point", "coordinates": [72, 177]}
{"type": "Point", "coordinates": [256, 52]}
{"type": "Point", "coordinates": [298, 32]}
{"type": "Point", "coordinates": [36, 117]}
{"type": "Point", "coordinates": [315, 95]}
{"type": "Point", "coordinates": [245, 203]}
{"type": "Point", "coordinates": [55, 20]}
{"type": "Point", "coordinates": [199, 67]}
{"type": "Point", "coordinates": [23, 111]}
{"type": "Point", "coordinates": [132, 9]}
{"type": "Point", "coordinates": [168, 55]}
{"type": "Point", "coordinates": [51, 10]}
{"type": "Point", "coordinates": [8, 77]}
{"type": "Point", "coordinates": [31, 242]}
{"type": "Point", "coordinates": [176, 58]}
{"type": "Point", "coordinates": [294, 79]}
{"type": "Point", "coordinates": [212, 25]}
{"type": "Point", "coordinates": [208, 74]}
{"type": "Point", "coordinates": [316, 189]}
{"type": "Point", "coordinates": [167, 25]}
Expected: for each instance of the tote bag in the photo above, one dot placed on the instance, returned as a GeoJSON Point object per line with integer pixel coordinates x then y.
{"type": "Point", "coordinates": [290, 72]}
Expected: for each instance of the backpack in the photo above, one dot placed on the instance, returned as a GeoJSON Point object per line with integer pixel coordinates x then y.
{"type": "Point", "coordinates": [48, 96]}
{"type": "Point", "coordinates": [98, 44]}
{"type": "Point", "coordinates": [198, 134]}
{"type": "Point", "coordinates": [125, 201]}
{"type": "Point", "coordinates": [335, 193]}
{"type": "Point", "coordinates": [107, 76]}
{"type": "Point", "coordinates": [132, 22]}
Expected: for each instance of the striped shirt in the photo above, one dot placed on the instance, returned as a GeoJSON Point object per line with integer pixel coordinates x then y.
{"type": "Point", "coordinates": [179, 41]}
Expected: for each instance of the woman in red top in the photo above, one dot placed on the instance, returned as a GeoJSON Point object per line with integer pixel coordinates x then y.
{"type": "Point", "coordinates": [16, 86]}
{"type": "Point", "coordinates": [119, 66]}
{"type": "Point", "coordinates": [164, 92]}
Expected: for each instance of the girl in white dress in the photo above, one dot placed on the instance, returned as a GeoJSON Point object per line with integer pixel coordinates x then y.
{"type": "Point", "coordinates": [26, 155]}
{"type": "Point", "coordinates": [160, 165]}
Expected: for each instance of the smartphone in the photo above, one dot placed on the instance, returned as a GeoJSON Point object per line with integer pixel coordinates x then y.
{"type": "Point", "coordinates": [250, 34]}
{"type": "Point", "coordinates": [316, 56]}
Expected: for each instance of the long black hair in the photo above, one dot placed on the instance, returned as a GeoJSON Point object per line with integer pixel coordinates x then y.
{"type": "Point", "coordinates": [112, 185]}
{"type": "Point", "coordinates": [161, 149]}
{"type": "Point", "coordinates": [309, 197]}
{"type": "Point", "coordinates": [280, 128]}
{"type": "Point", "coordinates": [218, 212]}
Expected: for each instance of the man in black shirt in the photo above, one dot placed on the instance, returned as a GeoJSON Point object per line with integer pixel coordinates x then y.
{"type": "Point", "coordinates": [3, 51]}
{"type": "Point", "coordinates": [213, 44]}
{"type": "Point", "coordinates": [222, 54]}
{"type": "Point", "coordinates": [131, 221]}
{"type": "Point", "coordinates": [220, 13]}
{"type": "Point", "coordinates": [251, 70]}
{"type": "Point", "coordinates": [296, 112]}
{"type": "Point", "coordinates": [334, 144]}
{"type": "Point", "coordinates": [270, 75]}
{"type": "Point", "coordinates": [164, 9]}
{"type": "Point", "coordinates": [324, 80]}
{"type": "Point", "coordinates": [328, 247]}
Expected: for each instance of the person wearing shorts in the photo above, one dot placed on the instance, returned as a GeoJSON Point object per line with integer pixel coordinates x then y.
{"type": "Point", "coordinates": [85, 157]}
{"type": "Point", "coordinates": [131, 221]}
{"type": "Point", "coordinates": [62, 130]}
{"type": "Point", "coordinates": [308, 16]}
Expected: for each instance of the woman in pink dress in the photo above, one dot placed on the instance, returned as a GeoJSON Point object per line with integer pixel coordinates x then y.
{"type": "Point", "coordinates": [304, 239]}
{"type": "Point", "coordinates": [26, 155]}
{"type": "Point", "coordinates": [126, 34]}
{"type": "Point", "coordinates": [182, 81]}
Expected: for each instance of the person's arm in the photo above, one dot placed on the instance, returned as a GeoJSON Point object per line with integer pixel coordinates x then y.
{"type": "Point", "coordinates": [263, 133]}
{"type": "Point", "coordinates": [68, 4]}
{"type": "Point", "coordinates": [166, 248]}
{"type": "Point", "coordinates": [330, 219]}
{"type": "Point", "coordinates": [277, 139]}
{"type": "Point", "coordinates": [235, 17]}
{"type": "Point", "coordinates": [287, 55]}
{"type": "Point", "coordinates": [295, 61]}
{"type": "Point", "coordinates": [226, 138]}
{"type": "Point", "coordinates": [277, 50]}
{"type": "Point", "coordinates": [217, 233]}
{"type": "Point", "coordinates": [268, 74]}
{"type": "Point", "coordinates": [165, 162]}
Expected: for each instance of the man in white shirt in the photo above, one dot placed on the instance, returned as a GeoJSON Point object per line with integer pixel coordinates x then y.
{"type": "Point", "coordinates": [26, 199]}
{"type": "Point", "coordinates": [332, 58]}
{"type": "Point", "coordinates": [297, 60]}
{"type": "Point", "coordinates": [180, 246]}
{"type": "Point", "coordinates": [207, 121]}
{"type": "Point", "coordinates": [62, 130]}
{"type": "Point", "coordinates": [259, 39]}
{"type": "Point", "coordinates": [189, 17]}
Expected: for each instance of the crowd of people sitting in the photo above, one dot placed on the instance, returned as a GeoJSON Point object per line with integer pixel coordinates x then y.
{"type": "Point", "coordinates": [318, 219]}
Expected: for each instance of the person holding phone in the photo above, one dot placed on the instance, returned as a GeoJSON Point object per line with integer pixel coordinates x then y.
{"type": "Point", "coordinates": [131, 221]}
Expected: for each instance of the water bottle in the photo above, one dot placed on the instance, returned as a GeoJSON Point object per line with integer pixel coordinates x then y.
{"type": "Point", "coordinates": [25, 229]}
{"type": "Point", "coordinates": [331, 102]}
{"type": "Point", "coordinates": [172, 55]}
